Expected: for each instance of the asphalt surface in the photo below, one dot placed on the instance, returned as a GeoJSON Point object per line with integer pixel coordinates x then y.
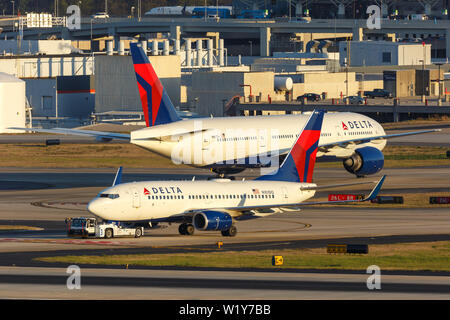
{"type": "Point", "coordinates": [42, 198]}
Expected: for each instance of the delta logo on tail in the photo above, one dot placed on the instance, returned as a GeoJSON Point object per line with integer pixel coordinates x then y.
{"type": "Point", "coordinates": [156, 104]}
{"type": "Point", "coordinates": [304, 151]}
{"type": "Point", "coordinates": [299, 163]}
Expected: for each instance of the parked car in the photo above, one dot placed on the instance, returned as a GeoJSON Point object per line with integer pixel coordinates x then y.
{"type": "Point", "coordinates": [310, 97]}
{"type": "Point", "coordinates": [354, 100]}
{"type": "Point", "coordinates": [381, 93]}
{"type": "Point", "coordinates": [100, 15]}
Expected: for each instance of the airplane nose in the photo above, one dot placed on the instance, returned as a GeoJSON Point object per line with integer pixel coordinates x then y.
{"type": "Point", "coordinates": [93, 207]}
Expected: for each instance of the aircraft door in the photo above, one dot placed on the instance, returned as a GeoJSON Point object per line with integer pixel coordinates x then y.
{"type": "Point", "coordinates": [207, 136]}
{"type": "Point", "coordinates": [339, 132]}
{"type": "Point", "coordinates": [284, 193]}
{"type": "Point", "coordinates": [136, 198]}
{"type": "Point", "coordinates": [263, 140]}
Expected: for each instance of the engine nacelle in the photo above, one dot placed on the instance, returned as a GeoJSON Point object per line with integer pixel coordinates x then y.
{"type": "Point", "coordinates": [365, 161]}
{"type": "Point", "coordinates": [212, 220]}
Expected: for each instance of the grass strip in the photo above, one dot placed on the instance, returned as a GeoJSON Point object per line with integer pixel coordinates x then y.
{"type": "Point", "coordinates": [100, 155]}
{"type": "Point", "coordinates": [424, 256]}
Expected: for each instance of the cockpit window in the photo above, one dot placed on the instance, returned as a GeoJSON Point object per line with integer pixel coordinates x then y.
{"type": "Point", "coordinates": [109, 195]}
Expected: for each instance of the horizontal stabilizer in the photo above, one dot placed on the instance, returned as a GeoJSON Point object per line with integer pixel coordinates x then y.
{"type": "Point", "coordinates": [96, 134]}
{"type": "Point", "coordinates": [331, 186]}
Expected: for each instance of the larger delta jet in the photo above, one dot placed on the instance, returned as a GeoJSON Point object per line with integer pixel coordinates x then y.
{"type": "Point", "coordinates": [228, 145]}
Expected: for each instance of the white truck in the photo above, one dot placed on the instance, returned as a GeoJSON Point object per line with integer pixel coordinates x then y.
{"type": "Point", "coordinates": [89, 227]}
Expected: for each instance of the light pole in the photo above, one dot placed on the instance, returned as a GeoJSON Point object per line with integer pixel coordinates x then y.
{"type": "Point", "coordinates": [290, 4]}
{"type": "Point", "coordinates": [423, 79]}
{"type": "Point", "coordinates": [439, 82]}
{"type": "Point", "coordinates": [13, 6]}
{"type": "Point", "coordinates": [423, 71]}
{"type": "Point", "coordinates": [346, 80]}
{"type": "Point", "coordinates": [139, 9]}
{"type": "Point", "coordinates": [251, 48]}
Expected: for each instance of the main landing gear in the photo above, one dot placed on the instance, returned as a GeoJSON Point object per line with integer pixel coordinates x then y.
{"type": "Point", "coordinates": [230, 232]}
{"type": "Point", "coordinates": [186, 229]}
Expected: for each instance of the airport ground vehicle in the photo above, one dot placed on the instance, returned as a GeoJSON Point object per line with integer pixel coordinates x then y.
{"type": "Point", "coordinates": [253, 14]}
{"type": "Point", "coordinates": [354, 100]}
{"type": "Point", "coordinates": [100, 15]}
{"type": "Point", "coordinates": [89, 227]}
{"type": "Point", "coordinates": [310, 97]}
{"type": "Point", "coordinates": [380, 93]}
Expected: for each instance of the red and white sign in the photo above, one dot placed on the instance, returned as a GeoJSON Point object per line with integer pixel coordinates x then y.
{"type": "Point", "coordinates": [344, 197]}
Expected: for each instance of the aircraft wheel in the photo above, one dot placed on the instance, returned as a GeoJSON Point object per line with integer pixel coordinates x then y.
{"type": "Point", "coordinates": [108, 233]}
{"type": "Point", "coordinates": [138, 233]}
{"type": "Point", "coordinates": [182, 228]}
{"type": "Point", "coordinates": [189, 229]}
{"type": "Point", "coordinates": [232, 231]}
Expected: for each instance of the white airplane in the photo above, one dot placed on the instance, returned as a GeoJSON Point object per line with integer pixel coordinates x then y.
{"type": "Point", "coordinates": [215, 204]}
{"type": "Point", "coordinates": [228, 145]}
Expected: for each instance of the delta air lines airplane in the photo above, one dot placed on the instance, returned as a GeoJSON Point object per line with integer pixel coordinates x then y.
{"type": "Point", "coordinates": [228, 145]}
{"type": "Point", "coordinates": [214, 205]}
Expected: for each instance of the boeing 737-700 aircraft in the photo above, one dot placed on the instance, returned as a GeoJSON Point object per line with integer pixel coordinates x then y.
{"type": "Point", "coordinates": [229, 145]}
{"type": "Point", "coordinates": [215, 204]}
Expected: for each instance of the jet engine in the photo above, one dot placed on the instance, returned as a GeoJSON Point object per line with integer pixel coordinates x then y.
{"type": "Point", "coordinates": [212, 220]}
{"type": "Point", "coordinates": [365, 161]}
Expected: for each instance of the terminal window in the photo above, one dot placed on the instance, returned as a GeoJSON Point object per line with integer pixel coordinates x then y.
{"type": "Point", "coordinates": [387, 57]}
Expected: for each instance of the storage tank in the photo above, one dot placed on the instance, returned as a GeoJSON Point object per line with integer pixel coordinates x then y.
{"type": "Point", "coordinates": [283, 83]}
{"type": "Point", "coordinates": [12, 103]}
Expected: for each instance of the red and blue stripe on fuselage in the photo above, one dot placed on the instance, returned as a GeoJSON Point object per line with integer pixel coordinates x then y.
{"type": "Point", "coordinates": [156, 104]}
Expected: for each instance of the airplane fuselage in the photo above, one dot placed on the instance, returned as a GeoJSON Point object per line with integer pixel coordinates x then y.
{"type": "Point", "coordinates": [153, 200]}
{"type": "Point", "coordinates": [248, 140]}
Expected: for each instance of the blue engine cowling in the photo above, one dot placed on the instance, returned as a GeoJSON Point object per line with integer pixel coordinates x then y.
{"type": "Point", "coordinates": [365, 161]}
{"type": "Point", "coordinates": [212, 220]}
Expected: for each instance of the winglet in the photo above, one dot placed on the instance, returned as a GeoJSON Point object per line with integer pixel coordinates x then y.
{"type": "Point", "coordinates": [118, 178]}
{"type": "Point", "coordinates": [376, 189]}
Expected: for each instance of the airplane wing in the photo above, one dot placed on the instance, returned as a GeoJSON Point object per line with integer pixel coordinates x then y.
{"type": "Point", "coordinates": [323, 147]}
{"type": "Point", "coordinates": [99, 135]}
{"type": "Point", "coordinates": [171, 137]}
{"type": "Point", "coordinates": [259, 209]}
